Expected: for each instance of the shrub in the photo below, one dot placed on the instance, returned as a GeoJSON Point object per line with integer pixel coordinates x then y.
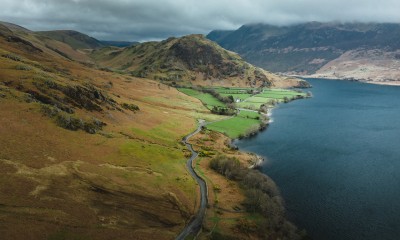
{"type": "Point", "coordinates": [70, 122]}
{"type": "Point", "coordinates": [130, 106]}
{"type": "Point", "coordinates": [49, 111]}
{"type": "Point", "coordinates": [246, 226]}
{"type": "Point", "coordinates": [286, 100]}
{"type": "Point", "coordinates": [262, 196]}
{"type": "Point", "coordinates": [23, 67]}
{"type": "Point", "coordinates": [229, 167]}
{"type": "Point", "coordinates": [222, 111]}
{"type": "Point", "coordinates": [13, 57]}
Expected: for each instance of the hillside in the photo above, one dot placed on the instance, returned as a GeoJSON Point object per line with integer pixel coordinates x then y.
{"type": "Point", "coordinates": [96, 154]}
{"type": "Point", "coordinates": [14, 27]}
{"type": "Point", "coordinates": [25, 37]}
{"type": "Point", "coordinates": [74, 39]}
{"type": "Point", "coordinates": [192, 60]}
{"type": "Point", "coordinates": [88, 154]}
{"type": "Point", "coordinates": [310, 48]}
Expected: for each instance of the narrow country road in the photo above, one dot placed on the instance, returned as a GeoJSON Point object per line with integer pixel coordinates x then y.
{"type": "Point", "coordinates": [195, 224]}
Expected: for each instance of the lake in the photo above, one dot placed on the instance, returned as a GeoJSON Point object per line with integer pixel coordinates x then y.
{"type": "Point", "coordinates": [336, 160]}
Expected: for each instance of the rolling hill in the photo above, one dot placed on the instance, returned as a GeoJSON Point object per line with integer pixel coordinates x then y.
{"type": "Point", "coordinates": [192, 60]}
{"type": "Point", "coordinates": [346, 51]}
{"type": "Point", "coordinates": [74, 39]}
{"type": "Point", "coordinates": [89, 153]}
{"type": "Point", "coordinates": [83, 151]}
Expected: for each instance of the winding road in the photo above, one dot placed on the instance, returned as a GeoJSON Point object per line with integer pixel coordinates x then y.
{"type": "Point", "coordinates": [196, 222]}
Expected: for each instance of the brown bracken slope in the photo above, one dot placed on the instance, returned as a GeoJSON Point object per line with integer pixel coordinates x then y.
{"type": "Point", "coordinates": [95, 154]}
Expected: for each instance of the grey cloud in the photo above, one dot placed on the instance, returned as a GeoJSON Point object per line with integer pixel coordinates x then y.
{"type": "Point", "coordinates": [157, 19]}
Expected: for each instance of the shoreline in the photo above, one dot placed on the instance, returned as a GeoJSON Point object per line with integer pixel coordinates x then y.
{"type": "Point", "coordinates": [249, 162]}
{"type": "Point", "coordinates": [258, 163]}
{"type": "Point", "coordinates": [259, 159]}
{"type": "Point", "coordinates": [221, 185]}
{"type": "Point", "coordinates": [383, 83]}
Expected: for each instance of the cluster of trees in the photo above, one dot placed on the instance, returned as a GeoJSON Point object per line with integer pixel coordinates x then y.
{"type": "Point", "coordinates": [223, 110]}
{"type": "Point", "coordinates": [262, 196]}
{"type": "Point", "coordinates": [286, 99]}
{"type": "Point", "coordinates": [229, 102]}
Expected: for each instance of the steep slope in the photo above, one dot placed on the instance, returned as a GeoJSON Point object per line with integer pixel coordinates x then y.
{"type": "Point", "coordinates": [88, 154]}
{"type": "Point", "coordinates": [48, 45]}
{"type": "Point", "coordinates": [14, 27]}
{"type": "Point", "coordinates": [74, 39]}
{"type": "Point", "coordinates": [188, 60]}
{"type": "Point", "coordinates": [306, 48]}
{"type": "Point", "coordinates": [373, 66]}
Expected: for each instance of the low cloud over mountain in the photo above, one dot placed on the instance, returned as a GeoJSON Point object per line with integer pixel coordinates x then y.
{"type": "Point", "coordinates": [143, 20]}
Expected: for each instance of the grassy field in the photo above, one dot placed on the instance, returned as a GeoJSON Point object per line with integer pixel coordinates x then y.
{"type": "Point", "coordinates": [267, 96]}
{"type": "Point", "coordinates": [249, 114]}
{"type": "Point", "coordinates": [279, 93]}
{"type": "Point", "coordinates": [245, 121]}
{"type": "Point", "coordinates": [250, 105]}
{"type": "Point", "coordinates": [235, 126]}
{"type": "Point", "coordinates": [236, 93]}
{"type": "Point", "coordinates": [207, 99]}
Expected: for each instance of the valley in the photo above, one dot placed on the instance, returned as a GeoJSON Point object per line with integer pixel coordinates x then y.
{"type": "Point", "coordinates": [199, 120]}
{"type": "Point", "coordinates": [93, 151]}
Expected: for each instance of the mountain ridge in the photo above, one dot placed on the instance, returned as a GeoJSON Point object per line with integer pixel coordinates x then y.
{"type": "Point", "coordinates": [75, 39]}
{"type": "Point", "coordinates": [191, 59]}
{"type": "Point", "coordinates": [304, 49]}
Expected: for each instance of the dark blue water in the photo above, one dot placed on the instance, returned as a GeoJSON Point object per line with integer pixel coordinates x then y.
{"type": "Point", "coordinates": [336, 160]}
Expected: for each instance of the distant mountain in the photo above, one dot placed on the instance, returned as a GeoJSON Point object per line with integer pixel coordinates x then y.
{"type": "Point", "coordinates": [191, 59]}
{"type": "Point", "coordinates": [118, 43]}
{"type": "Point", "coordinates": [74, 39]}
{"type": "Point", "coordinates": [309, 48]}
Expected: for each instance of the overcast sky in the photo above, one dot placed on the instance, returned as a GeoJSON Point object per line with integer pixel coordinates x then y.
{"type": "Point", "coordinates": [141, 20]}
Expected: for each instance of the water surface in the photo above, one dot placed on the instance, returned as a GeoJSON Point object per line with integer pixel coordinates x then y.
{"type": "Point", "coordinates": [336, 159]}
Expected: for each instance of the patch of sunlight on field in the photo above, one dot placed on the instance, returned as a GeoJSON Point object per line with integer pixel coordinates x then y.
{"type": "Point", "coordinates": [234, 127]}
